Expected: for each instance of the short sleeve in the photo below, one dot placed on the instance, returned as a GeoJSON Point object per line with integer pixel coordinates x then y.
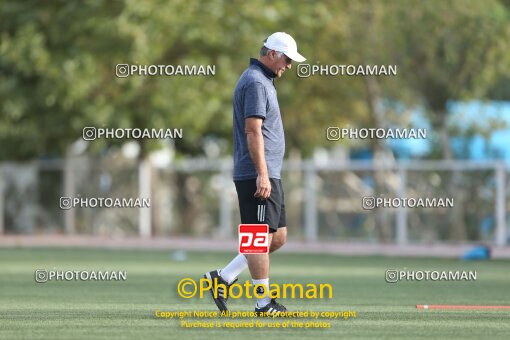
{"type": "Point", "coordinates": [255, 100]}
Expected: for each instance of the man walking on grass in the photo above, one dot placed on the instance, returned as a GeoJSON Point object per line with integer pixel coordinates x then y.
{"type": "Point", "coordinates": [259, 147]}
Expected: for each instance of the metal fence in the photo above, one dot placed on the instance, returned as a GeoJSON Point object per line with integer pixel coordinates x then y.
{"type": "Point", "coordinates": [197, 197]}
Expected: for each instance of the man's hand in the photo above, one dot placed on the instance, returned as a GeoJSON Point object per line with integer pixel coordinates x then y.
{"type": "Point", "coordinates": [263, 187]}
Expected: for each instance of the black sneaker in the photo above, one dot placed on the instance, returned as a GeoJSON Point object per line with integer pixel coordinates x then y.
{"type": "Point", "coordinates": [221, 299]}
{"type": "Point", "coordinates": [273, 308]}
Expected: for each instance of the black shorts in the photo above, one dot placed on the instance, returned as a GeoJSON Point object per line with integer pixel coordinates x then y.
{"type": "Point", "coordinates": [254, 210]}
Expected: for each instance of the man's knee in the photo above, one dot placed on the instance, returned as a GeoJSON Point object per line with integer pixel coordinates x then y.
{"type": "Point", "coordinates": [279, 239]}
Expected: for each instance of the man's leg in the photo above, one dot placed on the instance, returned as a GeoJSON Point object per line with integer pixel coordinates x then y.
{"type": "Point", "coordinates": [279, 239]}
{"type": "Point", "coordinates": [259, 270]}
{"type": "Point", "coordinates": [234, 268]}
{"type": "Point", "coordinates": [259, 264]}
{"type": "Point", "coordinates": [273, 215]}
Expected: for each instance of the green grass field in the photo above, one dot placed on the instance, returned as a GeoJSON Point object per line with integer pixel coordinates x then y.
{"type": "Point", "coordinates": [121, 310]}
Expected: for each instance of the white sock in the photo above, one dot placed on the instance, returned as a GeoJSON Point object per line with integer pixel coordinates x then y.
{"type": "Point", "coordinates": [234, 268]}
{"type": "Point", "coordinates": [265, 300]}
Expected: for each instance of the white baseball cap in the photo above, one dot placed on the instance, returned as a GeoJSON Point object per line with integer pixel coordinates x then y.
{"type": "Point", "coordinates": [282, 42]}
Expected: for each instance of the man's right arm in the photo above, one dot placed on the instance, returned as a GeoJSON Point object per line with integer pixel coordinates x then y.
{"type": "Point", "coordinates": [255, 140]}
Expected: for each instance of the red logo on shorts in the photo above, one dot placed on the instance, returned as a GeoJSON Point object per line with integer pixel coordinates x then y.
{"type": "Point", "coordinates": [253, 238]}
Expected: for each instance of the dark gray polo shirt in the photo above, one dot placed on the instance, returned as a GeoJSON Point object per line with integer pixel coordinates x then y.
{"type": "Point", "coordinates": [255, 96]}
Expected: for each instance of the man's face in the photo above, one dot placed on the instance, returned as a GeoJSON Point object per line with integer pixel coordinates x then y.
{"type": "Point", "coordinates": [280, 64]}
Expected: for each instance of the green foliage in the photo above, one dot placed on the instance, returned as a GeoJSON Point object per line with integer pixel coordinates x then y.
{"type": "Point", "coordinates": [452, 50]}
{"type": "Point", "coordinates": [57, 65]}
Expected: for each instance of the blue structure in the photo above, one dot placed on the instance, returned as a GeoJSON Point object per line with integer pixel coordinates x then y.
{"type": "Point", "coordinates": [464, 116]}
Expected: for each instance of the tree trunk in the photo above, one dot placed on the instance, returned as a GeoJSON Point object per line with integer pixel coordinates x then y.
{"type": "Point", "coordinates": [457, 224]}
{"type": "Point", "coordinates": [382, 218]}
